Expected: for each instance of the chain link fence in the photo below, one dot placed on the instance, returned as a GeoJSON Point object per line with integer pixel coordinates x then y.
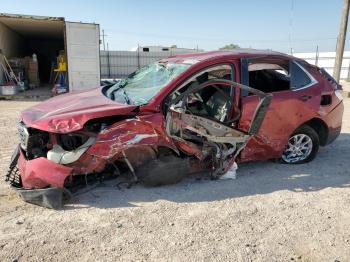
{"type": "Point", "coordinates": [118, 64]}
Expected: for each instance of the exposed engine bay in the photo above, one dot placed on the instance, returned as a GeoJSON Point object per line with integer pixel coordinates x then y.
{"type": "Point", "coordinates": [193, 135]}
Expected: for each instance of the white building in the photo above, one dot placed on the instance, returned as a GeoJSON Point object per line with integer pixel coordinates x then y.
{"type": "Point", "coordinates": [327, 60]}
{"type": "Point", "coordinates": [172, 49]}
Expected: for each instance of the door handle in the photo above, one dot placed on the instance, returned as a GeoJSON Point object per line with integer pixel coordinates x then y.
{"type": "Point", "coordinates": [305, 98]}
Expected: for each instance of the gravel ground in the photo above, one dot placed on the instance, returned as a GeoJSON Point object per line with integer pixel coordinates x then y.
{"type": "Point", "coordinates": [271, 212]}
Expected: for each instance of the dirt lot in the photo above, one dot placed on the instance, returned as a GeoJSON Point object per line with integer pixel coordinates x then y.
{"type": "Point", "coordinates": [271, 212]}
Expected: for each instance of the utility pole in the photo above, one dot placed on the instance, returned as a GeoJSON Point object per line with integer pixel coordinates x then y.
{"type": "Point", "coordinates": [138, 56]}
{"type": "Point", "coordinates": [103, 40]}
{"type": "Point", "coordinates": [108, 62]}
{"type": "Point", "coordinates": [291, 18]}
{"type": "Point", "coordinates": [341, 40]}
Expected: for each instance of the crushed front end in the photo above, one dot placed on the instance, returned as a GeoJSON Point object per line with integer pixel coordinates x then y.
{"type": "Point", "coordinates": [59, 155]}
{"type": "Point", "coordinates": [47, 166]}
{"type": "Point", "coordinates": [37, 179]}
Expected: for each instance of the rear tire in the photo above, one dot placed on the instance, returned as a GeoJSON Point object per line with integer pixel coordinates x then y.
{"type": "Point", "coordinates": [302, 146]}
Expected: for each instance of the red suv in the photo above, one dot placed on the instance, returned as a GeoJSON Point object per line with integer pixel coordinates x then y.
{"type": "Point", "coordinates": [181, 115]}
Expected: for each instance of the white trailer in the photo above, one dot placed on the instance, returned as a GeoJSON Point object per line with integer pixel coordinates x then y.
{"type": "Point", "coordinates": [23, 35]}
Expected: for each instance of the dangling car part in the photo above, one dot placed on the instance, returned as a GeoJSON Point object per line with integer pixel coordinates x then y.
{"type": "Point", "coordinates": [218, 140]}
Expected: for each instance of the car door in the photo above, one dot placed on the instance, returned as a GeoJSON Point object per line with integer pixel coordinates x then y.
{"type": "Point", "coordinates": [291, 105]}
{"type": "Point", "coordinates": [198, 120]}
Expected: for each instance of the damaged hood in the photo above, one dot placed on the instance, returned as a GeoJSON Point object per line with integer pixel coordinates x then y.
{"type": "Point", "coordinates": [69, 112]}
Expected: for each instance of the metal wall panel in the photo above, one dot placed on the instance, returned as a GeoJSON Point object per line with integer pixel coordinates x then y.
{"type": "Point", "coordinates": [11, 44]}
{"type": "Point", "coordinates": [83, 53]}
{"type": "Point", "coordinates": [327, 60]}
{"type": "Point", "coordinates": [123, 63]}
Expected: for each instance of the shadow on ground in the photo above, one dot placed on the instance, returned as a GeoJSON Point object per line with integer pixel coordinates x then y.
{"type": "Point", "coordinates": [329, 169]}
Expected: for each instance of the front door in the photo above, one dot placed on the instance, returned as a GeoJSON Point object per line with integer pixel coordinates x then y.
{"type": "Point", "coordinates": [200, 122]}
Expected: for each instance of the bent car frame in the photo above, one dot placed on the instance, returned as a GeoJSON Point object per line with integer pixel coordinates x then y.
{"type": "Point", "coordinates": [181, 115]}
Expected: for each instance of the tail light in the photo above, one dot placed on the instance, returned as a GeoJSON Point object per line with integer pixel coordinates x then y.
{"type": "Point", "coordinates": [330, 79]}
{"type": "Point", "coordinates": [338, 88]}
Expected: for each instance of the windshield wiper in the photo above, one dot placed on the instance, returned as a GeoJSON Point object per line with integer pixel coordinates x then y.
{"type": "Point", "coordinates": [117, 87]}
{"type": "Point", "coordinates": [126, 97]}
{"type": "Point", "coordinates": [123, 83]}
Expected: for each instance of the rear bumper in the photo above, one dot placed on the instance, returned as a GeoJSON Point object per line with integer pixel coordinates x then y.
{"type": "Point", "coordinates": [334, 122]}
{"type": "Point", "coordinates": [332, 135]}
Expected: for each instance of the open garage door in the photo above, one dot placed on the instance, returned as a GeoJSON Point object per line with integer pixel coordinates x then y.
{"type": "Point", "coordinates": [83, 55]}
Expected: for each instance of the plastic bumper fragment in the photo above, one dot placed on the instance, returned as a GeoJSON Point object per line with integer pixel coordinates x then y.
{"type": "Point", "coordinates": [52, 197]}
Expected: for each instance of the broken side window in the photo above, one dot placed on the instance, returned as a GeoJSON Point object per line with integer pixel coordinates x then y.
{"type": "Point", "coordinates": [274, 75]}
{"type": "Point", "coordinates": [269, 76]}
{"type": "Point", "coordinates": [213, 101]}
{"type": "Point", "coordinates": [223, 71]}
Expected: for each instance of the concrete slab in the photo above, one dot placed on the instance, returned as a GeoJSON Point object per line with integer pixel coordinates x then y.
{"type": "Point", "coordinates": [37, 94]}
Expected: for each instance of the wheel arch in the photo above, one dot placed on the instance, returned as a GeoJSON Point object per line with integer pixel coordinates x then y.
{"type": "Point", "coordinates": [320, 128]}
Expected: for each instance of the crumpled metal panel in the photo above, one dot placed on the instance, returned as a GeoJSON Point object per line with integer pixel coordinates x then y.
{"type": "Point", "coordinates": [286, 108]}
{"type": "Point", "coordinates": [69, 112]}
{"type": "Point", "coordinates": [139, 137]}
{"type": "Point", "coordinates": [41, 173]}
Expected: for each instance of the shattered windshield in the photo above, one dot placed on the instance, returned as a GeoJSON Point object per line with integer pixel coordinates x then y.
{"type": "Point", "coordinates": [142, 85]}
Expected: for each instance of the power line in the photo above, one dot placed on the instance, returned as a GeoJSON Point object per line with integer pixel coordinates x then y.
{"type": "Point", "coordinates": [291, 25]}
{"type": "Point", "coordinates": [139, 34]}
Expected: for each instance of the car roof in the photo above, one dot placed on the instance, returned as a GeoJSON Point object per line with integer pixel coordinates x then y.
{"type": "Point", "coordinates": [234, 53]}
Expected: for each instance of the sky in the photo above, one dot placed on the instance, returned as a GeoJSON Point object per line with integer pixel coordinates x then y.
{"type": "Point", "coordinates": [264, 24]}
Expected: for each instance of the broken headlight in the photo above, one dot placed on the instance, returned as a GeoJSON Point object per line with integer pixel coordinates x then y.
{"type": "Point", "coordinates": [71, 142]}
{"type": "Point", "coordinates": [23, 135]}
{"type": "Point", "coordinates": [33, 141]}
{"type": "Point", "coordinates": [70, 148]}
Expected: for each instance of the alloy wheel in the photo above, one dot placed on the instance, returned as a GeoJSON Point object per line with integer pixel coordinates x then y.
{"type": "Point", "coordinates": [298, 149]}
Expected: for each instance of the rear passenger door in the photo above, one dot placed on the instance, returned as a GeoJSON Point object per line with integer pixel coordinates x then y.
{"type": "Point", "coordinates": [295, 100]}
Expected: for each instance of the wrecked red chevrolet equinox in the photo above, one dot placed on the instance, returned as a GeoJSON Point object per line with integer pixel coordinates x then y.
{"type": "Point", "coordinates": [185, 114]}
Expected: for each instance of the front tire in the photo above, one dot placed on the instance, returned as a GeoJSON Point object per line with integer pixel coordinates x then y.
{"type": "Point", "coordinates": [302, 146]}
